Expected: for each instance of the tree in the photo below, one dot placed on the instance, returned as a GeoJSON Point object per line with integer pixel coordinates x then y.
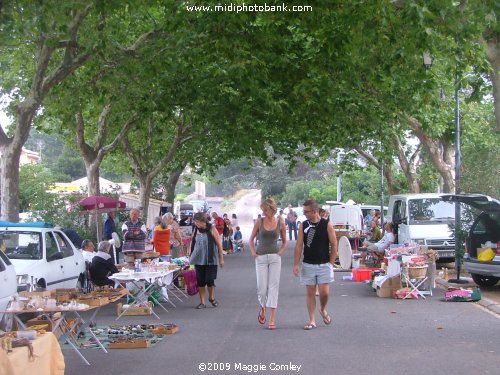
{"type": "Point", "coordinates": [52, 37]}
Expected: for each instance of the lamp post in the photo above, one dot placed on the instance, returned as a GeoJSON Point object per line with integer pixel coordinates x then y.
{"type": "Point", "coordinates": [339, 178]}
{"type": "Point", "coordinates": [458, 224]}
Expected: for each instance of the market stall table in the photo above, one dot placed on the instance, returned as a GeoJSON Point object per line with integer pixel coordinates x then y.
{"type": "Point", "coordinates": [68, 333]}
{"type": "Point", "coordinates": [154, 279]}
{"type": "Point", "coordinates": [48, 358]}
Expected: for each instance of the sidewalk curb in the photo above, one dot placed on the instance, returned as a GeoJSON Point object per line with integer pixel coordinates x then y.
{"type": "Point", "coordinates": [484, 302]}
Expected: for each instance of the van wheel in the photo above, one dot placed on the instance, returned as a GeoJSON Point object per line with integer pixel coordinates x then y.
{"type": "Point", "coordinates": [484, 280]}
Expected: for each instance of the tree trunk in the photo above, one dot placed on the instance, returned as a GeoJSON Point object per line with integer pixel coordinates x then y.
{"type": "Point", "coordinates": [391, 182]}
{"type": "Point", "coordinates": [93, 174]}
{"type": "Point", "coordinates": [172, 181]}
{"type": "Point", "coordinates": [493, 56]}
{"type": "Point", "coordinates": [145, 186]}
{"type": "Point", "coordinates": [9, 175]}
{"type": "Point", "coordinates": [441, 154]}
{"type": "Point", "coordinates": [449, 160]}
{"type": "Point", "coordinates": [409, 166]}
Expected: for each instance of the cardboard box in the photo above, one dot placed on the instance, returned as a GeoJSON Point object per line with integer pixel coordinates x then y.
{"type": "Point", "coordinates": [135, 310]}
{"type": "Point", "coordinates": [132, 344]}
{"type": "Point", "coordinates": [165, 329]}
{"type": "Point", "coordinates": [39, 324]}
{"type": "Point", "coordinates": [396, 282]}
{"type": "Point", "coordinates": [388, 287]}
{"type": "Point", "coordinates": [384, 292]}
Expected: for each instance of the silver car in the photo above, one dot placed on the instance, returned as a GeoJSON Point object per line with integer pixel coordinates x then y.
{"type": "Point", "coordinates": [485, 227]}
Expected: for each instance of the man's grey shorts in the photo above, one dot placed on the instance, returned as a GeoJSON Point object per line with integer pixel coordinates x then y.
{"type": "Point", "coordinates": [312, 274]}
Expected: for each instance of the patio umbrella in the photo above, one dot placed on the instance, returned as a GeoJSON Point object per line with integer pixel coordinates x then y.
{"type": "Point", "coordinates": [98, 204]}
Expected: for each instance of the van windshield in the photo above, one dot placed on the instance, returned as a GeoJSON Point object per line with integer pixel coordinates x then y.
{"type": "Point", "coordinates": [21, 245]}
{"type": "Point", "coordinates": [431, 211]}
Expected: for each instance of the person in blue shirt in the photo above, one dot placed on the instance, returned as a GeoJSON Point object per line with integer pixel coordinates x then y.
{"type": "Point", "coordinates": [368, 219]}
{"type": "Point", "coordinates": [238, 240]}
{"type": "Point", "coordinates": [109, 225]}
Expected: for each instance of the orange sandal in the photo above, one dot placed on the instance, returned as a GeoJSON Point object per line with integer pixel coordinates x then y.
{"type": "Point", "coordinates": [271, 326]}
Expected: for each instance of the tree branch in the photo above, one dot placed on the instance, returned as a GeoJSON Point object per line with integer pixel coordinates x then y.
{"type": "Point", "coordinates": [102, 128]}
{"type": "Point", "coordinates": [70, 62]}
{"type": "Point", "coordinates": [368, 157]}
{"type": "Point", "coordinates": [3, 137]}
{"type": "Point", "coordinates": [132, 157]}
{"type": "Point", "coordinates": [123, 132]}
{"type": "Point", "coordinates": [80, 138]}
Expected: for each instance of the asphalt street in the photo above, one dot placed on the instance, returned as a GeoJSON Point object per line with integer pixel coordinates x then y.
{"type": "Point", "coordinates": [368, 334]}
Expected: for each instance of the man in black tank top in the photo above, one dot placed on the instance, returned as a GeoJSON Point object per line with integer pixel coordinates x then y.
{"type": "Point", "coordinates": [318, 241]}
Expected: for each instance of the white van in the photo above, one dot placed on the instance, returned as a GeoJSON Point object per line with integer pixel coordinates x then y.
{"type": "Point", "coordinates": [424, 219]}
{"type": "Point", "coordinates": [346, 217]}
{"type": "Point", "coordinates": [8, 281]}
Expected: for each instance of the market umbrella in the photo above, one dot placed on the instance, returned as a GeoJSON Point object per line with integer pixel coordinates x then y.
{"type": "Point", "coordinates": [98, 204]}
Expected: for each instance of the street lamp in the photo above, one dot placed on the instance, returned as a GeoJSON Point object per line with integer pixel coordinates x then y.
{"type": "Point", "coordinates": [458, 161]}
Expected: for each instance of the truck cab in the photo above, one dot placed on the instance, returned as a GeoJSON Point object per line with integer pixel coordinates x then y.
{"type": "Point", "coordinates": [425, 220]}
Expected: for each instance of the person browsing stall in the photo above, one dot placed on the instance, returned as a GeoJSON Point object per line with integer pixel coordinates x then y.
{"type": "Point", "coordinates": [206, 253]}
{"type": "Point", "coordinates": [161, 238]}
{"type": "Point", "coordinates": [175, 236]}
{"type": "Point", "coordinates": [318, 242]}
{"type": "Point", "coordinates": [134, 234]}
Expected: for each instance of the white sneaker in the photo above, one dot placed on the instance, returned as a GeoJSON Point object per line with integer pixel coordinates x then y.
{"type": "Point", "coordinates": [224, 252]}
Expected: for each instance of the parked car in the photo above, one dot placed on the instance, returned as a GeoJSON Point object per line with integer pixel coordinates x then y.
{"type": "Point", "coordinates": [346, 217]}
{"type": "Point", "coordinates": [186, 209]}
{"type": "Point", "coordinates": [7, 280]}
{"type": "Point", "coordinates": [423, 219]}
{"type": "Point", "coordinates": [201, 206]}
{"type": "Point", "coordinates": [485, 227]}
{"type": "Point", "coordinates": [42, 255]}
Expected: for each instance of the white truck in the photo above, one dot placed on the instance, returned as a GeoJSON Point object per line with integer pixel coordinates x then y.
{"type": "Point", "coordinates": [424, 219]}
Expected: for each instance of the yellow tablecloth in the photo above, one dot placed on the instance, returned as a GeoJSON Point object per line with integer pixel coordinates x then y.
{"type": "Point", "coordinates": [48, 359]}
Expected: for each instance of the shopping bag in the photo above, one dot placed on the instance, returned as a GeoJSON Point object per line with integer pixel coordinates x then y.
{"type": "Point", "coordinates": [191, 284]}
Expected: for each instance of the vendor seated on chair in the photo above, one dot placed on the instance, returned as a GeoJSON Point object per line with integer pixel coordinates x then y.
{"type": "Point", "coordinates": [102, 266]}
{"type": "Point", "coordinates": [378, 248]}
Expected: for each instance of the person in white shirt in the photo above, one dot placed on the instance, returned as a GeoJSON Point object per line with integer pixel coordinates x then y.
{"type": "Point", "coordinates": [377, 249]}
{"type": "Point", "coordinates": [88, 250]}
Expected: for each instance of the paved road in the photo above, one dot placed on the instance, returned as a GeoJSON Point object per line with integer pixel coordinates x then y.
{"type": "Point", "coordinates": [368, 334]}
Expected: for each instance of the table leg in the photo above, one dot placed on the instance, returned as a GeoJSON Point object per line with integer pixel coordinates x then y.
{"type": "Point", "coordinates": [86, 324]}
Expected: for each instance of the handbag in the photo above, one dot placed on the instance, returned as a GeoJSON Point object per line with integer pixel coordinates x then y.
{"type": "Point", "coordinates": [191, 283]}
